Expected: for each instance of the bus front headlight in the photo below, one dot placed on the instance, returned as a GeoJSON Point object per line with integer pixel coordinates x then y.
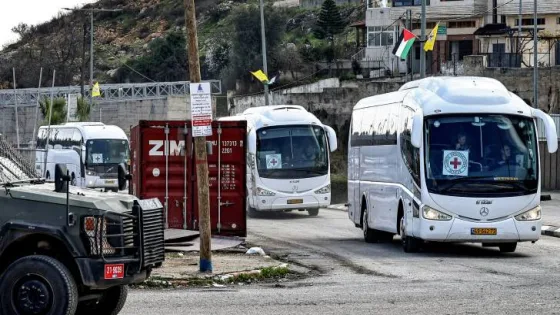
{"type": "Point", "coordinates": [91, 173]}
{"type": "Point", "coordinates": [531, 215]}
{"type": "Point", "coordinates": [324, 190]}
{"type": "Point", "coordinates": [433, 214]}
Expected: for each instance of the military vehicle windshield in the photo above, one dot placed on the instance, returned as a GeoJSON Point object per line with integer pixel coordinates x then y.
{"type": "Point", "coordinates": [13, 166]}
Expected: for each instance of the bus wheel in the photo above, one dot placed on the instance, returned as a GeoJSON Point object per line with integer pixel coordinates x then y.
{"type": "Point", "coordinates": [313, 212]}
{"type": "Point", "coordinates": [410, 244]}
{"type": "Point", "coordinates": [370, 235]}
{"type": "Point", "coordinates": [508, 247]}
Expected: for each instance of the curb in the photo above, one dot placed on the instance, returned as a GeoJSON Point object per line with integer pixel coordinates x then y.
{"type": "Point", "coordinates": [547, 230]}
{"type": "Point", "coordinates": [340, 207]}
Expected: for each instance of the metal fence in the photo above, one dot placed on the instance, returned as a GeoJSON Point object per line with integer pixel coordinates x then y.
{"type": "Point", "coordinates": [109, 92]}
{"type": "Point", "coordinates": [504, 60]}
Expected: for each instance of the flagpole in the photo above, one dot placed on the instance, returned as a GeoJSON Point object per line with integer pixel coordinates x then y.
{"type": "Point", "coordinates": [263, 44]}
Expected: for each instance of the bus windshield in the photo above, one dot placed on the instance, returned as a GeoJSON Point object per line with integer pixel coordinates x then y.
{"type": "Point", "coordinates": [481, 155]}
{"type": "Point", "coordinates": [292, 152]}
{"type": "Point", "coordinates": [106, 151]}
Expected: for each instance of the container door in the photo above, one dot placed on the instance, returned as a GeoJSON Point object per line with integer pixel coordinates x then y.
{"type": "Point", "coordinates": [163, 169]}
{"type": "Point", "coordinates": [227, 179]}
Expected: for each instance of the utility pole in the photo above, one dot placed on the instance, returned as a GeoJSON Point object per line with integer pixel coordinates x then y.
{"type": "Point", "coordinates": [519, 27]}
{"type": "Point", "coordinates": [91, 11]}
{"type": "Point", "coordinates": [263, 44]}
{"type": "Point", "coordinates": [422, 40]}
{"type": "Point", "coordinates": [16, 103]}
{"type": "Point", "coordinates": [410, 60]}
{"type": "Point", "coordinates": [37, 110]}
{"type": "Point", "coordinates": [535, 57]}
{"type": "Point", "coordinates": [201, 160]}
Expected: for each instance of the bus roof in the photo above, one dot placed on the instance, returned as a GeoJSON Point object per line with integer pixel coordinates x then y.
{"type": "Point", "coordinates": [94, 130]}
{"type": "Point", "coordinates": [274, 115]}
{"type": "Point", "coordinates": [445, 95]}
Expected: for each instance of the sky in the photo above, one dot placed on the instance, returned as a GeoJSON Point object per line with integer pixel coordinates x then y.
{"type": "Point", "coordinates": [32, 12]}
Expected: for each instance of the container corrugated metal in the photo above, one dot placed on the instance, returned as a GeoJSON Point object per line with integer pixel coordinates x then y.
{"type": "Point", "coordinates": [163, 167]}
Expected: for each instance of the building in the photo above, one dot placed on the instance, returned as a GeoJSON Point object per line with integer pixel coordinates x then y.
{"type": "Point", "coordinates": [458, 19]}
{"type": "Point", "coordinates": [507, 42]}
{"type": "Point", "coordinates": [318, 3]}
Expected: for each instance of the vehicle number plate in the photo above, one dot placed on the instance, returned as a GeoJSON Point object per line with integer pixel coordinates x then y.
{"type": "Point", "coordinates": [115, 271]}
{"type": "Point", "coordinates": [110, 181]}
{"type": "Point", "coordinates": [484, 231]}
{"type": "Point", "coordinates": [294, 201]}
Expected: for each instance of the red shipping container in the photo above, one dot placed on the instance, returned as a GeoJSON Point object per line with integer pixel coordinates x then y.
{"type": "Point", "coordinates": [162, 154]}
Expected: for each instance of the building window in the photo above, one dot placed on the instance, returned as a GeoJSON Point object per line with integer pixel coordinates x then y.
{"type": "Point", "coordinates": [528, 22]}
{"type": "Point", "coordinates": [429, 26]}
{"type": "Point", "coordinates": [461, 24]}
{"type": "Point", "coordinates": [408, 3]}
{"type": "Point", "coordinates": [381, 36]}
{"type": "Point", "coordinates": [558, 21]}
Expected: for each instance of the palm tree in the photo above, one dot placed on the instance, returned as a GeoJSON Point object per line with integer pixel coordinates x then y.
{"type": "Point", "coordinates": [58, 110]}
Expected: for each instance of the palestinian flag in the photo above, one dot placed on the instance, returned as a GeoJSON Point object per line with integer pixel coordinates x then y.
{"type": "Point", "coordinates": [405, 42]}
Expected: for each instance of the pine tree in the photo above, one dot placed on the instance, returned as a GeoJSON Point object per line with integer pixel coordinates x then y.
{"type": "Point", "coordinates": [330, 22]}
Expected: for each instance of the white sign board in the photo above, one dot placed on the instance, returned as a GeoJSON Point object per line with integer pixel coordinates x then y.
{"type": "Point", "coordinates": [72, 107]}
{"type": "Point", "coordinates": [201, 109]}
{"type": "Point", "coordinates": [274, 161]}
{"type": "Point", "coordinates": [456, 163]}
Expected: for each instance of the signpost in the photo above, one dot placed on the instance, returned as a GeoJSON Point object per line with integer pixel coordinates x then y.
{"type": "Point", "coordinates": [201, 109]}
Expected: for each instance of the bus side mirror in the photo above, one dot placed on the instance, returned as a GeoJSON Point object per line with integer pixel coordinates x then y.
{"type": "Point", "coordinates": [549, 129]}
{"type": "Point", "coordinates": [331, 136]}
{"type": "Point", "coordinates": [252, 142]}
{"type": "Point", "coordinates": [123, 177]}
{"type": "Point", "coordinates": [417, 128]}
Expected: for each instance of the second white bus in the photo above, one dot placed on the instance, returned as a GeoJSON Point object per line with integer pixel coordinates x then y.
{"type": "Point", "coordinates": [288, 162]}
{"type": "Point", "coordinates": [447, 159]}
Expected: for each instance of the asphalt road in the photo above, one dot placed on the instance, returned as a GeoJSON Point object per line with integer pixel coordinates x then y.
{"type": "Point", "coordinates": [359, 278]}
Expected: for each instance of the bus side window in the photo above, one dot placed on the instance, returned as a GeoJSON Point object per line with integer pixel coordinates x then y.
{"type": "Point", "coordinates": [410, 154]}
{"type": "Point", "coordinates": [41, 139]}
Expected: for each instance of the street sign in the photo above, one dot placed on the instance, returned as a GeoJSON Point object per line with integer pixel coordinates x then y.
{"type": "Point", "coordinates": [201, 109]}
{"type": "Point", "coordinates": [72, 104]}
{"type": "Point", "coordinates": [442, 30]}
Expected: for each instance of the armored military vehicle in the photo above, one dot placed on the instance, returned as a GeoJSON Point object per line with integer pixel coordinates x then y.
{"type": "Point", "coordinates": [65, 250]}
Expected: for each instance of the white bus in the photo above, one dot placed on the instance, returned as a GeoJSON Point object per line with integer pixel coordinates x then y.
{"type": "Point", "coordinates": [288, 162]}
{"type": "Point", "coordinates": [448, 159]}
{"type": "Point", "coordinates": [91, 152]}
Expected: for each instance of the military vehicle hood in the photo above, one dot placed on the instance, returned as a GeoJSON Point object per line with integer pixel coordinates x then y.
{"type": "Point", "coordinates": [83, 198]}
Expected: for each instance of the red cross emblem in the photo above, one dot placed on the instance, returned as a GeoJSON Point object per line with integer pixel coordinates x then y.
{"type": "Point", "coordinates": [273, 162]}
{"type": "Point", "coordinates": [455, 163]}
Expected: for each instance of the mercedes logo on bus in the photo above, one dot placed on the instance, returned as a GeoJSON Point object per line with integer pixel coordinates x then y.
{"type": "Point", "coordinates": [484, 211]}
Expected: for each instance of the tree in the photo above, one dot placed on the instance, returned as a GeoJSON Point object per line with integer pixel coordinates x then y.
{"type": "Point", "coordinates": [329, 24]}
{"type": "Point", "coordinates": [166, 61]}
{"type": "Point", "coordinates": [245, 52]}
{"type": "Point", "coordinates": [58, 110]}
{"type": "Point", "coordinates": [84, 109]}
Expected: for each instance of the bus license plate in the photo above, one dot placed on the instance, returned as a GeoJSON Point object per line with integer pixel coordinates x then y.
{"type": "Point", "coordinates": [115, 271]}
{"type": "Point", "coordinates": [294, 201]}
{"type": "Point", "coordinates": [110, 181]}
{"type": "Point", "coordinates": [484, 231]}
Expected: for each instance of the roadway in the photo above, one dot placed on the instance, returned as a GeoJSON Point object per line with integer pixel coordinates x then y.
{"type": "Point", "coordinates": [352, 277]}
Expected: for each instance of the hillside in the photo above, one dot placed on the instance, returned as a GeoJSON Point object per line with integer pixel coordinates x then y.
{"type": "Point", "coordinates": [145, 41]}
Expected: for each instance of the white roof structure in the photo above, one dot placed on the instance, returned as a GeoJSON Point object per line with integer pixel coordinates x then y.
{"type": "Point", "coordinates": [438, 95]}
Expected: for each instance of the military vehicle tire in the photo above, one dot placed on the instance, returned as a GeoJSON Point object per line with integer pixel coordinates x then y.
{"type": "Point", "coordinates": [30, 284]}
{"type": "Point", "coordinates": [111, 303]}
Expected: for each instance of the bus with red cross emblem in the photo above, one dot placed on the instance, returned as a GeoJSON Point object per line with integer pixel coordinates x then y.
{"type": "Point", "coordinates": [288, 159]}
{"type": "Point", "coordinates": [447, 159]}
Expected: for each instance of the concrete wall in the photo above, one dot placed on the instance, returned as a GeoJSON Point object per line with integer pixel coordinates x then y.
{"type": "Point", "coordinates": [122, 114]}
{"type": "Point", "coordinates": [520, 81]}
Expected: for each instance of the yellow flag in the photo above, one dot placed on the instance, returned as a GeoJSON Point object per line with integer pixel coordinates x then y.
{"type": "Point", "coordinates": [95, 92]}
{"type": "Point", "coordinates": [429, 45]}
{"type": "Point", "coordinates": [260, 76]}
